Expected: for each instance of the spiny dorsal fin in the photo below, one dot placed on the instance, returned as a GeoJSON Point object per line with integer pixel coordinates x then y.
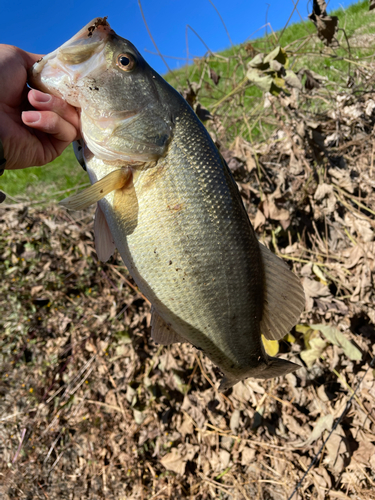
{"type": "Point", "coordinates": [161, 332]}
{"type": "Point", "coordinates": [284, 298]}
{"type": "Point", "coordinates": [104, 244]}
{"type": "Point", "coordinates": [114, 180]}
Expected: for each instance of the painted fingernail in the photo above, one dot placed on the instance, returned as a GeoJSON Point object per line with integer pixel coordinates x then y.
{"type": "Point", "coordinates": [30, 116]}
{"type": "Point", "coordinates": [41, 97]}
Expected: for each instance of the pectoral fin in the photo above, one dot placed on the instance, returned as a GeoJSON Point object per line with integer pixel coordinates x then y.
{"type": "Point", "coordinates": [114, 180]}
{"type": "Point", "coordinates": [284, 298]}
{"type": "Point", "coordinates": [104, 244]}
{"type": "Point", "coordinates": [161, 332]}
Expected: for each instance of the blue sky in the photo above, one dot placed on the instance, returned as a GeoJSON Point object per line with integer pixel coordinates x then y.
{"type": "Point", "coordinates": [42, 25]}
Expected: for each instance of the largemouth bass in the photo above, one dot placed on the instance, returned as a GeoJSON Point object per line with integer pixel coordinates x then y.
{"type": "Point", "coordinates": [167, 201]}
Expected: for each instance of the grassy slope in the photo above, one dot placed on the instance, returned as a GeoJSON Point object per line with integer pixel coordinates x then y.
{"type": "Point", "coordinates": [44, 183]}
{"type": "Point", "coordinates": [65, 173]}
{"type": "Point", "coordinates": [304, 49]}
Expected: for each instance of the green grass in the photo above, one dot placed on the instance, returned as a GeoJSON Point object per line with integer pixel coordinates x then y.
{"type": "Point", "coordinates": [304, 49]}
{"type": "Point", "coordinates": [239, 108]}
{"type": "Point", "coordinates": [44, 183]}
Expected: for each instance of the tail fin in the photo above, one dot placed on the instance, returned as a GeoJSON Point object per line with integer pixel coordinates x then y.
{"type": "Point", "coordinates": [227, 382]}
{"type": "Point", "coordinates": [275, 367]}
{"type": "Point", "coordinates": [284, 298]}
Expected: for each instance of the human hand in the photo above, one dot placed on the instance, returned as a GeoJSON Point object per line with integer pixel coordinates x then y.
{"type": "Point", "coordinates": [31, 138]}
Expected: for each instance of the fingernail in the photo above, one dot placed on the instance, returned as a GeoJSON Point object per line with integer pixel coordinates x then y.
{"type": "Point", "coordinates": [41, 97]}
{"type": "Point", "coordinates": [30, 116]}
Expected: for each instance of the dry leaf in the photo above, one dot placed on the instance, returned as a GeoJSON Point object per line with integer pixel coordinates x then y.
{"type": "Point", "coordinates": [326, 25]}
{"type": "Point", "coordinates": [177, 458]}
{"type": "Point", "coordinates": [309, 356]}
{"type": "Point", "coordinates": [271, 346]}
{"type": "Point", "coordinates": [334, 336]}
{"type": "Point", "coordinates": [322, 424]}
{"type": "Point", "coordinates": [364, 453]}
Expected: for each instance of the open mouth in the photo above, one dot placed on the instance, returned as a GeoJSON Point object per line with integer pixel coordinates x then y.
{"type": "Point", "coordinates": [83, 54]}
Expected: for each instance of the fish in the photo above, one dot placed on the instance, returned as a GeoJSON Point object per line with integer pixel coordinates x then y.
{"type": "Point", "coordinates": [168, 202]}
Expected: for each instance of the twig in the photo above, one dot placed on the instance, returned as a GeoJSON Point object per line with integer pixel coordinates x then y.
{"type": "Point", "coordinates": [232, 92]}
{"type": "Point", "coordinates": [158, 493]}
{"type": "Point", "coordinates": [52, 447]}
{"type": "Point", "coordinates": [203, 372]}
{"type": "Point", "coordinates": [345, 383]}
{"type": "Point", "coordinates": [219, 486]}
{"type": "Point", "coordinates": [200, 38]}
{"type": "Point", "coordinates": [256, 31]}
{"type": "Point", "coordinates": [20, 445]}
{"type": "Point", "coordinates": [128, 283]}
{"type": "Point", "coordinates": [99, 403]}
{"type": "Point", "coordinates": [55, 462]}
{"type": "Point", "coordinates": [303, 261]}
{"type": "Point", "coordinates": [353, 198]}
{"type": "Point", "coordinates": [289, 18]}
{"type": "Point", "coordinates": [2, 419]}
{"type": "Point", "coordinates": [170, 57]}
{"type": "Point", "coordinates": [152, 38]}
{"type": "Point", "coordinates": [357, 212]}
{"type": "Point", "coordinates": [221, 19]}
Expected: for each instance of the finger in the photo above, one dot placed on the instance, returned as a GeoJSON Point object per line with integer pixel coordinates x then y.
{"type": "Point", "coordinates": [46, 102]}
{"type": "Point", "coordinates": [51, 123]}
{"type": "Point", "coordinates": [28, 57]}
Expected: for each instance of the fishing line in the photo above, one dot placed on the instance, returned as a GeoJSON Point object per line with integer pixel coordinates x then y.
{"type": "Point", "coordinates": [345, 411]}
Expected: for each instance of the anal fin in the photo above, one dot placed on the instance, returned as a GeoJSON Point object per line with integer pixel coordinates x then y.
{"type": "Point", "coordinates": [104, 244]}
{"type": "Point", "coordinates": [284, 298]}
{"type": "Point", "coordinates": [161, 332]}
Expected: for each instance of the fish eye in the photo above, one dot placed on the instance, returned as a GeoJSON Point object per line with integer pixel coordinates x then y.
{"type": "Point", "coordinates": [126, 62]}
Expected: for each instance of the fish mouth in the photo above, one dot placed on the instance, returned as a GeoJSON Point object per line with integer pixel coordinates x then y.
{"type": "Point", "coordinates": [60, 71]}
{"type": "Point", "coordinates": [118, 118]}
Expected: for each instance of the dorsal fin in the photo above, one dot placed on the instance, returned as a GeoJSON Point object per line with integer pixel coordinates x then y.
{"type": "Point", "coordinates": [161, 332]}
{"type": "Point", "coordinates": [284, 298]}
{"type": "Point", "coordinates": [104, 244]}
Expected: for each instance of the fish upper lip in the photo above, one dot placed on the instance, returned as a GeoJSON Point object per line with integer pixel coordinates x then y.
{"type": "Point", "coordinates": [85, 33]}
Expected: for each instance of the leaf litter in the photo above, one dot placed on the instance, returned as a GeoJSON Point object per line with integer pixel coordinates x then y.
{"type": "Point", "coordinates": [90, 407]}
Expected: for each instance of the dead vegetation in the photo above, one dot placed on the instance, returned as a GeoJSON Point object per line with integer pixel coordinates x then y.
{"type": "Point", "coordinates": [91, 408]}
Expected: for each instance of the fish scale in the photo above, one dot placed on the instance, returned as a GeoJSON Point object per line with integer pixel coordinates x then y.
{"type": "Point", "coordinates": [173, 210]}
